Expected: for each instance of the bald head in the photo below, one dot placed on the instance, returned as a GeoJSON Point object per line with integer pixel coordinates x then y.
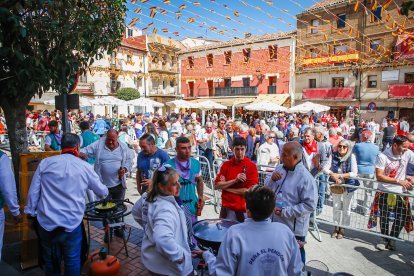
{"type": "Point", "coordinates": [291, 154]}
{"type": "Point", "coordinates": [111, 140]}
{"type": "Point", "coordinates": [294, 148]}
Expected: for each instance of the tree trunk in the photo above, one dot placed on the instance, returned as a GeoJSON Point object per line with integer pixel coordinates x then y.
{"type": "Point", "coordinates": [15, 114]}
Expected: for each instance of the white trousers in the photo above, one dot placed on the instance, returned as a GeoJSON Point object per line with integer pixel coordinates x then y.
{"type": "Point", "coordinates": [342, 208]}
{"type": "Point", "coordinates": [1, 229]}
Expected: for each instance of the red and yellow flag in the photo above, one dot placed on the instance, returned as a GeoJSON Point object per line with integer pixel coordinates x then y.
{"type": "Point", "coordinates": [178, 14]}
{"type": "Point", "coordinates": [144, 1]}
{"type": "Point", "coordinates": [182, 7]}
{"type": "Point", "coordinates": [191, 20]}
{"type": "Point", "coordinates": [167, 2]}
{"type": "Point", "coordinates": [164, 30]}
{"type": "Point", "coordinates": [196, 3]}
{"type": "Point", "coordinates": [236, 13]}
{"type": "Point", "coordinates": [356, 7]}
{"type": "Point", "coordinates": [374, 5]}
{"type": "Point", "coordinates": [138, 10]}
{"type": "Point", "coordinates": [386, 4]}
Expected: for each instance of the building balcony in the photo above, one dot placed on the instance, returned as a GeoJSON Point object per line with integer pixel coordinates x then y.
{"type": "Point", "coordinates": [235, 91]}
{"type": "Point", "coordinates": [163, 68]}
{"type": "Point", "coordinates": [401, 91]}
{"type": "Point", "coordinates": [84, 88]}
{"type": "Point", "coordinates": [331, 59]}
{"type": "Point", "coordinates": [168, 91]}
{"type": "Point", "coordinates": [333, 93]}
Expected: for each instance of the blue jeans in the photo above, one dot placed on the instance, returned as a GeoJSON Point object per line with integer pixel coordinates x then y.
{"type": "Point", "coordinates": [207, 153]}
{"type": "Point", "coordinates": [323, 181]}
{"type": "Point", "coordinates": [302, 250]}
{"type": "Point", "coordinates": [61, 245]}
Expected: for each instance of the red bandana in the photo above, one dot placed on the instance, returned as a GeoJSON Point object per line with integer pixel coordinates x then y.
{"type": "Point", "coordinates": [71, 151]}
{"type": "Point", "coordinates": [311, 147]}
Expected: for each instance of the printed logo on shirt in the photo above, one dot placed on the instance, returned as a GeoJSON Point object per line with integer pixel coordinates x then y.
{"type": "Point", "coordinates": [155, 163]}
{"type": "Point", "coordinates": [266, 255]}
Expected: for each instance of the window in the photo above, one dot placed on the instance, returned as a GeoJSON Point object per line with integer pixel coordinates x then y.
{"type": "Point", "coordinates": [377, 14]}
{"type": "Point", "coordinates": [191, 62]}
{"type": "Point", "coordinates": [172, 83]}
{"type": "Point", "coordinates": [374, 44]}
{"type": "Point", "coordinates": [129, 59]}
{"type": "Point", "coordinates": [314, 52]}
{"type": "Point", "coordinates": [372, 81]}
{"type": "Point", "coordinates": [173, 60]}
{"type": "Point", "coordinates": [312, 83]}
{"type": "Point", "coordinates": [83, 78]}
{"type": "Point", "coordinates": [246, 82]}
{"type": "Point", "coordinates": [340, 49]}
{"type": "Point", "coordinates": [227, 82]}
{"type": "Point", "coordinates": [227, 56]}
{"type": "Point", "coordinates": [340, 23]}
{"type": "Point", "coordinates": [314, 26]}
{"type": "Point", "coordinates": [272, 52]}
{"type": "Point", "coordinates": [246, 54]}
{"type": "Point", "coordinates": [164, 84]}
{"type": "Point", "coordinates": [337, 82]}
{"type": "Point", "coordinates": [154, 59]}
{"type": "Point", "coordinates": [164, 59]}
{"type": "Point", "coordinates": [210, 59]}
{"type": "Point", "coordinates": [130, 33]}
{"type": "Point", "coordinates": [138, 82]}
{"type": "Point", "coordinates": [409, 78]}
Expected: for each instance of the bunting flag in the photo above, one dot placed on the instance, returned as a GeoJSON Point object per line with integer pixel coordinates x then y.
{"type": "Point", "coordinates": [176, 33]}
{"type": "Point", "coordinates": [211, 11]}
{"type": "Point", "coordinates": [269, 3]}
{"type": "Point", "coordinates": [236, 13]}
{"type": "Point", "coordinates": [191, 20]}
{"type": "Point", "coordinates": [154, 31]}
{"type": "Point", "coordinates": [167, 2]}
{"type": "Point", "coordinates": [162, 11]}
{"type": "Point", "coordinates": [356, 7]}
{"type": "Point", "coordinates": [228, 17]}
{"type": "Point", "coordinates": [150, 24]}
{"type": "Point", "coordinates": [212, 28]}
{"type": "Point", "coordinates": [386, 4]}
{"type": "Point", "coordinates": [374, 5]}
{"type": "Point", "coordinates": [144, 29]}
{"type": "Point", "coordinates": [131, 24]}
{"type": "Point", "coordinates": [133, 1]}
{"type": "Point", "coordinates": [153, 13]}
{"type": "Point", "coordinates": [182, 7]}
{"type": "Point", "coordinates": [326, 37]}
{"type": "Point", "coordinates": [178, 14]}
{"type": "Point", "coordinates": [164, 30]}
{"type": "Point", "coordinates": [196, 3]}
{"type": "Point", "coordinates": [138, 10]}
{"type": "Point", "coordinates": [143, 1]}
{"type": "Point", "coordinates": [388, 17]}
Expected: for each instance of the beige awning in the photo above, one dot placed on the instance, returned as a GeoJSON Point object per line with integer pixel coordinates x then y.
{"type": "Point", "coordinates": [280, 99]}
{"type": "Point", "coordinates": [237, 102]}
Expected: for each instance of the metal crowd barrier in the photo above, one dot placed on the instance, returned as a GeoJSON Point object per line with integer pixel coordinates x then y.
{"type": "Point", "coordinates": [362, 215]}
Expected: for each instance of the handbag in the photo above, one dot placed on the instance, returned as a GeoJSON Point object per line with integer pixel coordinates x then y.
{"type": "Point", "coordinates": [337, 189]}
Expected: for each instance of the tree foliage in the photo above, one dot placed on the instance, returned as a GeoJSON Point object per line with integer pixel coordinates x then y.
{"type": "Point", "coordinates": [127, 94]}
{"type": "Point", "coordinates": [43, 44]}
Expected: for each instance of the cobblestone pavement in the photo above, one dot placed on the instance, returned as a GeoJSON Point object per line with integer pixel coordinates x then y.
{"type": "Point", "coordinates": [355, 254]}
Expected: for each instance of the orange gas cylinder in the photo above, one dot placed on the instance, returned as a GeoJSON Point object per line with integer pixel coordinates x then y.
{"type": "Point", "coordinates": [105, 265]}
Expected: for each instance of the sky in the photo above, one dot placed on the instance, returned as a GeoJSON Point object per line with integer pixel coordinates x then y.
{"type": "Point", "coordinates": [215, 19]}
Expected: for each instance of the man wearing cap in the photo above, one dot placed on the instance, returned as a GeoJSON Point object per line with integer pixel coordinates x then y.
{"type": "Point", "coordinates": [100, 126]}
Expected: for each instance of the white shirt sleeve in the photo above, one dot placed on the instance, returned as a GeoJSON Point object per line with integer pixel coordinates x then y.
{"type": "Point", "coordinates": [91, 149]}
{"type": "Point", "coordinates": [48, 140]}
{"type": "Point", "coordinates": [381, 162]}
{"type": "Point", "coordinates": [354, 166]}
{"type": "Point", "coordinates": [96, 185]}
{"type": "Point", "coordinates": [34, 193]}
{"type": "Point", "coordinates": [8, 185]}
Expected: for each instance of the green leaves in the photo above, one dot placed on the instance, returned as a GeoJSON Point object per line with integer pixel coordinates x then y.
{"type": "Point", "coordinates": [127, 94]}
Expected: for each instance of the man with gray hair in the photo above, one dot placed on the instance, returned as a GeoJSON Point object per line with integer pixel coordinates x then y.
{"type": "Point", "coordinates": [296, 193]}
{"type": "Point", "coordinates": [293, 135]}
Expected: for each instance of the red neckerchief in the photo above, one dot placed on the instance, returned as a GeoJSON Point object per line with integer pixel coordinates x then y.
{"type": "Point", "coordinates": [72, 151]}
{"type": "Point", "coordinates": [311, 147]}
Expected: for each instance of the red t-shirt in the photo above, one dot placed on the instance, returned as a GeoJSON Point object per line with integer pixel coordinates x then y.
{"type": "Point", "coordinates": [228, 171]}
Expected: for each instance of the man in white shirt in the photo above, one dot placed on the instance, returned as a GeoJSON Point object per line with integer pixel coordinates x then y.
{"type": "Point", "coordinates": [57, 199]}
{"type": "Point", "coordinates": [268, 153]}
{"type": "Point", "coordinates": [205, 142]}
{"type": "Point", "coordinates": [391, 172]}
{"type": "Point", "coordinates": [7, 193]}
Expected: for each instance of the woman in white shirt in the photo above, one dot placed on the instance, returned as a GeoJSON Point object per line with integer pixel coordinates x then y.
{"type": "Point", "coordinates": [165, 250]}
{"type": "Point", "coordinates": [268, 153]}
{"type": "Point", "coordinates": [344, 167]}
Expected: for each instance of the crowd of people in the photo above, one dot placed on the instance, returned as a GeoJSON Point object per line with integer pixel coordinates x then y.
{"type": "Point", "coordinates": [307, 158]}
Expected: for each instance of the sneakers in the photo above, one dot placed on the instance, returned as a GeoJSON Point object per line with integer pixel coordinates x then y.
{"type": "Point", "coordinates": [391, 245]}
{"type": "Point", "coordinates": [383, 245]}
{"type": "Point", "coordinates": [335, 233]}
{"type": "Point", "coordinates": [341, 233]}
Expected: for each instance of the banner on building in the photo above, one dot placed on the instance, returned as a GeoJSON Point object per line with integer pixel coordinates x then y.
{"type": "Point", "coordinates": [392, 75]}
{"type": "Point", "coordinates": [339, 58]}
{"type": "Point", "coordinates": [404, 47]}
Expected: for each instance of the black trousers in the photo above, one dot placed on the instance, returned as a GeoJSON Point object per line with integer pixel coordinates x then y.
{"type": "Point", "coordinates": [400, 216]}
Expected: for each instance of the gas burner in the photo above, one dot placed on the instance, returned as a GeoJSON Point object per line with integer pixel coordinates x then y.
{"type": "Point", "coordinates": [120, 210]}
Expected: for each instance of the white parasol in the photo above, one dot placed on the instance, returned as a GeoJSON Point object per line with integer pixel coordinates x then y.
{"type": "Point", "coordinates": [265, 106]}
{"type": "Point", "coordinates": [108, 100]}
{"type": "Point", "coordinates": [209, 105]}
{"type": "Point", "coordinates": [309, 107]}
{"type": "Point", "coordinates": [180, 104]}
{"type": "Point", "coordinates": [144, 102]}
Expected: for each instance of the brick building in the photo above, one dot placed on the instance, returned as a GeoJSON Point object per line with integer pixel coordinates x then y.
{"type": "Point", "coordinates": [238, 71]}
{"type": "Point", "coordinates": [346, 56]}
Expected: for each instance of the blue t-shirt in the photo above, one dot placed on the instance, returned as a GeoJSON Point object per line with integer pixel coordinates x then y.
{"type": "Point", "coordinates": [148, 164]}
{"type": "Point", "coordinates": [366, 155]}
